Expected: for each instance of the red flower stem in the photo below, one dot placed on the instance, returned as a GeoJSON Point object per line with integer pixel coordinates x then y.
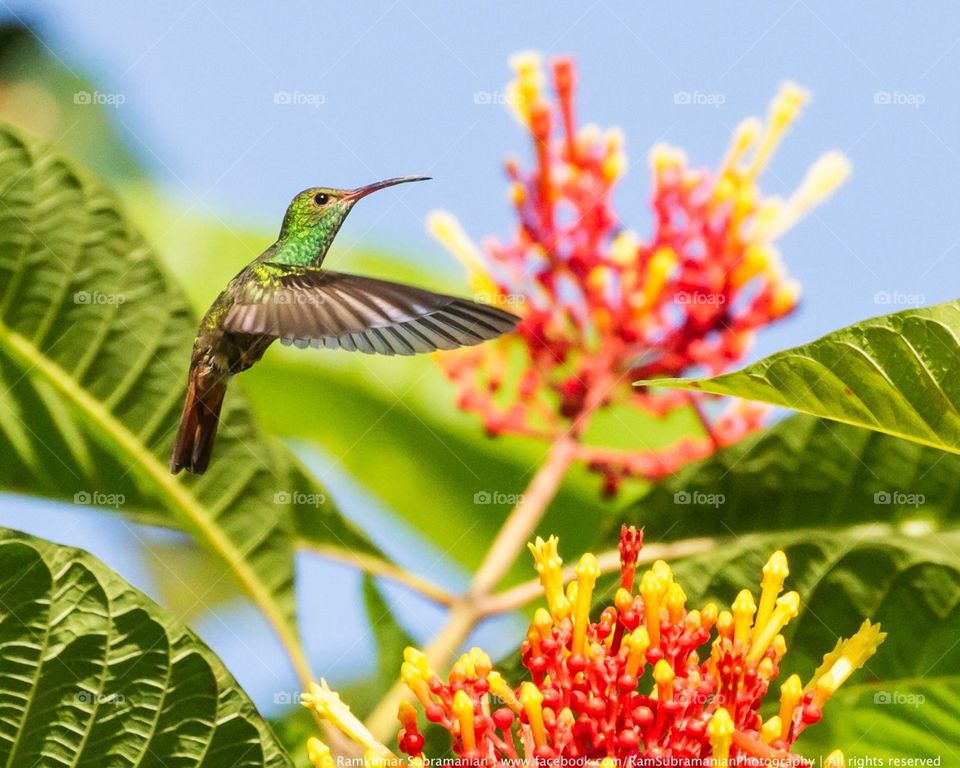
{"type": "Point", "coordinates": [704, 421]}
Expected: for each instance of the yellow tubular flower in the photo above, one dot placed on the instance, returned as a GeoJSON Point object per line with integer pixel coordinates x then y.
{"type": "Point", "coordinates": [784, 110]}
{"type": "Point", "coordinates": [709, 615]}
{"type": "Point", "coordinates": [787, 607]}
{"type": "Point", "coordinates": [327, 705]}
{"type": "Point", "coordinates": [663, 675]}
{"type": "Point", "coordinates": [615, 160]}
{"type": "Point", "coordinates": [822, 179]}
{"type": "Point", "coordinates": [463, 709]}
{"type": "Point", "coordinates": [790, 694]}
{"type": "Point", "coordinates": [500, 689]}
{"type": "Point", "coordinates": [532, 702]}
{"type": "Point", "coordinates": [637, 641]}
{"type": "Point", "coordinates": [650, 588]}
{"type": "Point", "coordinates": [720, 733]}
{"type": "Point", "coordinates": [665, 158]}
{"type": "Point", "coordinates": [770, 730]}
{"type": "Point", "coordinates": [550, 567]}
{"type": "Point", "coordinates": [675, 600]}
{"type": "Point", "coordinates": [623, 249]}
{"type": "Point", "coordinates": [725, 624]}
{"type": "Point", "coordinates": [524, 91]}
{"type": "Point", "coordinates": [743, 609]}
{"type": "Point", "coordinates": [318, 753]}
{"type": "Point", "coordinates": [588, 571]}
{"type": "Point", "coordinates": [445, 228]}
{"type": "Point", "coordinates": [775, 573]}
{"type": "Point", "coordinates": [847, 657]}
{"type": "Point", "coordinates": [744, 137]}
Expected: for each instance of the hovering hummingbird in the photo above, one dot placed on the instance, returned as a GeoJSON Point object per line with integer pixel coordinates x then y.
{"type": "Point", "coordinates": [286, 294]}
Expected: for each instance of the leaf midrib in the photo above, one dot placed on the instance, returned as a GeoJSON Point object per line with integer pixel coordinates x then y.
{"type": "Point", "coordinates": [33, 360]}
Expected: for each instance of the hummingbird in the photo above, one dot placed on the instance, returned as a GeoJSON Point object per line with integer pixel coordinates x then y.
{"type": "Point", "coordinates": [286, 294]}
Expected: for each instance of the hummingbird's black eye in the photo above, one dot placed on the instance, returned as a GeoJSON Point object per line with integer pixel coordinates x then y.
{"type": "Point", "coordinates": [320, 198]}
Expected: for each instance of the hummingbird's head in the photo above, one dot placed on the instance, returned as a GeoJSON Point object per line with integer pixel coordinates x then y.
{"type": "Point", "coordinates": [321, 210]}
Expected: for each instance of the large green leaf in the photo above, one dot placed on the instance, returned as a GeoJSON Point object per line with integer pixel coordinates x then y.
{"type": "Point", "coordinates": [94, 344]}
{"type": "Point", "coordinates": [898, 374]}
{"type": "Point", "coordinates": [803, 473]}
{"type": "Point", "coordinates": [93, 673]}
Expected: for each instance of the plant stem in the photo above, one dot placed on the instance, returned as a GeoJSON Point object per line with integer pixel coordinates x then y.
{"type": "Point", "coordinates": [510, 540]}
{"type": "Point", "coordinates": [376, 566]}
{"type": "Point", "coordinates": [704, 421]}
{"type": "Point", "coordinates": [516, 531]}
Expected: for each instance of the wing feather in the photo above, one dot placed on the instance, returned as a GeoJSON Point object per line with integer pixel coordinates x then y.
{"type": "Point", "coordinates": [308, 306]}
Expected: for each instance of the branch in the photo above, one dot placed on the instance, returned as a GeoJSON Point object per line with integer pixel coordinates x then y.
{"type": "Point", "coordinates": [377, 566]}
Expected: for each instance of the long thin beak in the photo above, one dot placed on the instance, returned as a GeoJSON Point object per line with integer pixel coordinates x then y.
{"type": "Point", "coordinates": [359, 192]}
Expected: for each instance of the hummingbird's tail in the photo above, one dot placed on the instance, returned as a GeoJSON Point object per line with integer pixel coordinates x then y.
{"type": "Point", "coordinates": [198, 423]}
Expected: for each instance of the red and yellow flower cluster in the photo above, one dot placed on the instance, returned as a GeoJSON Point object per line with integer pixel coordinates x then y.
{"type": "Point", "coordinates": [649, 682]}
{"type": "Point", "coordinates": [602, 306]}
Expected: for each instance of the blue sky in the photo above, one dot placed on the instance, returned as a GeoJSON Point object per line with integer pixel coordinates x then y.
{"type": "Point", "coordinates": [390, 87]}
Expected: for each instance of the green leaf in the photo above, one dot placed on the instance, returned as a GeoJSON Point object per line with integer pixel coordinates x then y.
{"type": "Point", "coordinates": [896, 374]}
{"type": "Point", "coordinates": [94, 345]}
{"type": "Point", "coordinates": [802, 473]}
{"type": "Point", "coordinates": [93, 673]}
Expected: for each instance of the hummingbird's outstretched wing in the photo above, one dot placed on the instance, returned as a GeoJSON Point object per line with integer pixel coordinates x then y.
{"type": "Point", "coordinates": [309, 306]}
